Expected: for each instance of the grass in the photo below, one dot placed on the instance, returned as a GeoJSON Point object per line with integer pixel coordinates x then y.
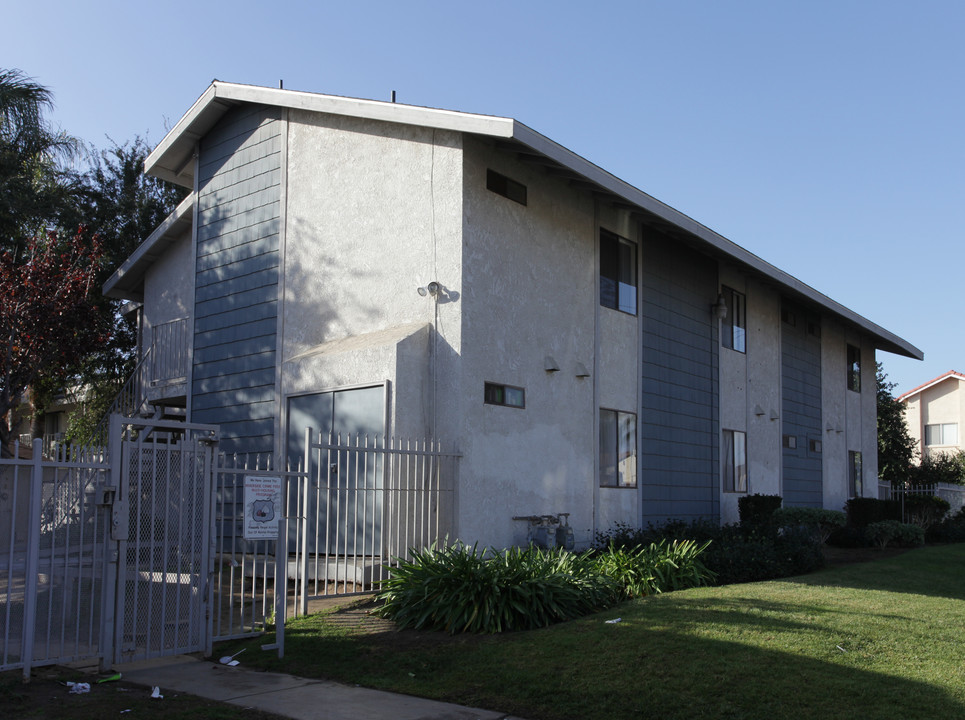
{"type": "Point", "coordinates": [880, 640]}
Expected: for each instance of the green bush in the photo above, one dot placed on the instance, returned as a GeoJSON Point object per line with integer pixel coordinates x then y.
{"type": "Point", "coordinates": [949, 530]}
{"type": "Point", "coordinates": [863, 511]}
{"type": "Point", "coordinates": [821, 523]}
{"type": "Point", "coordinates": [736, 553]}
{"type": "Point", "coordinates": [886, 531]}
{"type": "Point", "coordinates": [655, 568]}
{"type": "Point", "coordinates": [756, 511]}
{"type": "Point", "coordinates": [942, 468]}
{"type": "Point", "coordinates": [925, 510]}
{"type": "Point", "coordinates": [459, 589]}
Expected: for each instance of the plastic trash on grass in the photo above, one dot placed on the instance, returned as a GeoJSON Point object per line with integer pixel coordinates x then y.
{"type": "Point", "coordinates": [78, 688]}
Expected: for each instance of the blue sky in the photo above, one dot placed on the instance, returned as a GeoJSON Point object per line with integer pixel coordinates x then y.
{"type": "Point", "coordinates": [826, 137]}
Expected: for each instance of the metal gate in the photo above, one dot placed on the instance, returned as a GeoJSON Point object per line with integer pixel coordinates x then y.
{"type": "Point", "coordinates": [108, 557]}
{"type": "Point", "coordinates": [162, 522]}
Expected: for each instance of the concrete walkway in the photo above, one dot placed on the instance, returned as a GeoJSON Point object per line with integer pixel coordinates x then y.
{"type": "Point", "coordinates": [290, 696]}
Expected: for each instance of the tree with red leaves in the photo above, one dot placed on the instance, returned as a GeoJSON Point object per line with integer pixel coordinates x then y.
{"type": "Point", "coordinates": [48, 323]}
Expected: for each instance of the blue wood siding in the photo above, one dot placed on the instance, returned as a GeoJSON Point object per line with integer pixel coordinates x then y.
{"type": "Point", "coordinates": [801, 409]}
{"type": "Point", "coordinates": [236, 296]}
{"type": "Point", "coordinates": [679, 468]}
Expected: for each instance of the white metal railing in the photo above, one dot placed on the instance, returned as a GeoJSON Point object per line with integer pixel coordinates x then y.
{"type": "Point", "coordinates": [365, 503]}
{"type": "Point", "coordinates": [52, 558]}
{"type": "Point", "coordinates": [954, 494]}
{"type": "Point", "coordinates": [169, 348]}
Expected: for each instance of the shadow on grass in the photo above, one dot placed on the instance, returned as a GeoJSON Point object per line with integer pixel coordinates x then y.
{"type": "Point", "coordinates": [676, 656]}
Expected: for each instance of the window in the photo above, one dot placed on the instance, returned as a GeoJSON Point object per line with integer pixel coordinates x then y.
{"type": "Point", "coordinates": [734, 326]}
{"type": "Point", "coordinates": [941, 434]}
{"type": "Point", "coordinates": [618, 273]}
{"type": "Point", "coordinates": [507, 395]}
{"type": "Point", "coordinates": [735, 461]}
{"type": "Point", "coordinates": [790, 441]}
{"type": "Point", "coordinates": [814, 446]}
{"type": "Point", "coordinates": [507, 187]}
{"type": "Point", "coordinates": [788, 317]}
{"type": "Point", "coordinates": [854, 473]}
{"type": "Point", "coordinates": [854, 368]}
{"type": "Point", "coordinates": [618, 449]}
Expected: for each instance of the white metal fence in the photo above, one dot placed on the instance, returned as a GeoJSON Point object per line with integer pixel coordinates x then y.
{"type": "Point", "coordinates": [363, 503]}
{"type": "Point", "coordinates": [53, 551]}
{"type": "Point", "coordinates": [141, 551]}
{"type": "Point", "coordinates": [954, 494]}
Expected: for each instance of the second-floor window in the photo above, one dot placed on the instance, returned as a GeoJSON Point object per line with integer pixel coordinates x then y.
{"type": "Point", "coordinates": [618, 273]}
{"type": "Point", "coordinates": [854, 368]}
{"type": "Point", "coordinates": [941, 434]}
{"type": "Point", "coordinates": [734, 324]}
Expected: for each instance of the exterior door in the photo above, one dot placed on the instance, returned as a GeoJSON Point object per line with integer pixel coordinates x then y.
{"type": "Point", "coordinates": [343, 505]}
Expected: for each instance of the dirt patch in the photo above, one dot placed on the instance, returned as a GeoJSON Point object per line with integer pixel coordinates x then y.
{"type": "Point", "coordinates": [47, 696]}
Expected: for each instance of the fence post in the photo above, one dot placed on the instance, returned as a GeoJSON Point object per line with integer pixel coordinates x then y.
{"type": "Point", "coordinates": [33, 559]}
{"type": "Point", "coordinates": [112, 551]}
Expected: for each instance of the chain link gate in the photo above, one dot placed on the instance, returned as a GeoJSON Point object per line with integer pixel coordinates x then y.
{"type": "Point", "coordinates": [162, 521]}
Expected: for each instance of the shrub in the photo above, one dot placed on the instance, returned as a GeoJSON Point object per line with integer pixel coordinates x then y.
{"type": "Point", "coordinates": [925, 510]}
{"type": "Point", "coordinates": [736, 553]}
{"type": "Point", "coordinates": [863, 511]}
{"type": "Point", "coordinates": [655, 568]}
{"type": "Point", "coordinates": [756, 510]}
{"type": "Point", "coordinates": [949, 530]}
{"type": "Point", "coordinates": [821, 523]}
{"type": "Point", "coordinates": [459, 589]}
{"type": "Point", "coordinates": [941, 468]}
{"type": "Point", "coordinates": [883, 532]}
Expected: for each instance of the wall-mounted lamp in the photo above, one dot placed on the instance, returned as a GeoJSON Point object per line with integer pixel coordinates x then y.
{"type": "Point", "coordinates": [758, 410]}
{"type": "Point", "coordinates": [829, 429]}
{"type": "Point", "coordinates": [581, 371]}
{"type": "Point", "coordinates": [774, 415]}
{"type": "Point", "coordinates": [719, 308]}
{"type": "Point", "coordinates": [430, 289]}
{"type": "Point", "coordinates": [550, 365]}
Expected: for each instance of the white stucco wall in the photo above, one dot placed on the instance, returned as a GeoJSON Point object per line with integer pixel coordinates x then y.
{"type": "Point", "coordinates": [849, 419]}
{"type": "Point", "coordinates": [373, 212]}
{"type": "Point", "coordinates": [941, 403]}
{"type": "Point", "coordinates": [750, 389]}
{"type": "Point", "coordinates": [529, 290]}
{"type": "Point", "coordinates": [169, 286]}
{"type": "Point", "coordinates": [169, 296]}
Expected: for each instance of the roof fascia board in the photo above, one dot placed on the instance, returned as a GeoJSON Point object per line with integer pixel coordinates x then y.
{"type": "Point", "coordinates": [369, 109]}
{"type": "Point", "coordinates": [180, 129]}
{"type": "Point", "coordinates": [119, 285]}
{"type": "Point", "coordinates": [950, 375]}
{"type": "Point", "coordinates": [569, 159]}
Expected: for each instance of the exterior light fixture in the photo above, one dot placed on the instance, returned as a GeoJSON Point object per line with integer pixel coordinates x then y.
{"type": "Point", "coordinates": [581, 371]}
{"type": "Point", "coordinates": [550, 365]}
{"type": "Point", "coordinates": [719, 308]}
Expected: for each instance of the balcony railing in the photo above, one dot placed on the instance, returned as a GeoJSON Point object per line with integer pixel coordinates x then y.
{"type": "Point", "coordinates": [169, 352]}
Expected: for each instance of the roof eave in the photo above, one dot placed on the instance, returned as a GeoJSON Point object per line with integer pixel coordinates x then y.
{"type": "Point", "coordinates": [127, 281]}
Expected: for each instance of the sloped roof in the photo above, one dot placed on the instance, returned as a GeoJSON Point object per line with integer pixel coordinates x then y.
{"type": "Point", "coordinates": [931, 383]}
{"type": "Point", "coordinates": [126, 282]}
{"type": "Point", "coordinates": [172, 160]}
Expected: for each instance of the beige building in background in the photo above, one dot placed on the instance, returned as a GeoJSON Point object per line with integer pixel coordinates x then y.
{"type": "Point", "coordinates": [934, 412]}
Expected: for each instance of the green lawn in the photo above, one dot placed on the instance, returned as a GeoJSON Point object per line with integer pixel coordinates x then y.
{"type": "Point", "coordinates": [873, 640]}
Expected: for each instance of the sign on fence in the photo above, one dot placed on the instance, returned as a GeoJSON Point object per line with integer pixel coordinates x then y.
{"type": "Point", "coordinates": [262, 507]}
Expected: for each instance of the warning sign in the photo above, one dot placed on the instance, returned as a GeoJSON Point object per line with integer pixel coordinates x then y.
{"type": "Point", "coordinates": [262, 507]}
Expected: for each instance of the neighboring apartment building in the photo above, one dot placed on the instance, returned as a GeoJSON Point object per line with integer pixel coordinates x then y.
{"type": "Point", "coordinates": [934, 412]}
{"type": "Point", "coordinates": [375, 267]}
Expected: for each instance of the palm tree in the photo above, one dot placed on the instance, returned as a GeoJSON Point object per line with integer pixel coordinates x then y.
{"type": "Point", "coordinates": [33, 186]}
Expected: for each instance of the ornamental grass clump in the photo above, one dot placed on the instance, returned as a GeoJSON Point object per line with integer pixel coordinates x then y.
{"type": "Point", "coordinates": [656, 568]}
{"type": "Point", "coordinates": [459, 589]}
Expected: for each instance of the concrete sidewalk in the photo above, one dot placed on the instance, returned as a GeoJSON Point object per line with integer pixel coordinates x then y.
{"type": "Point", "coordinates": [290, 696]}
